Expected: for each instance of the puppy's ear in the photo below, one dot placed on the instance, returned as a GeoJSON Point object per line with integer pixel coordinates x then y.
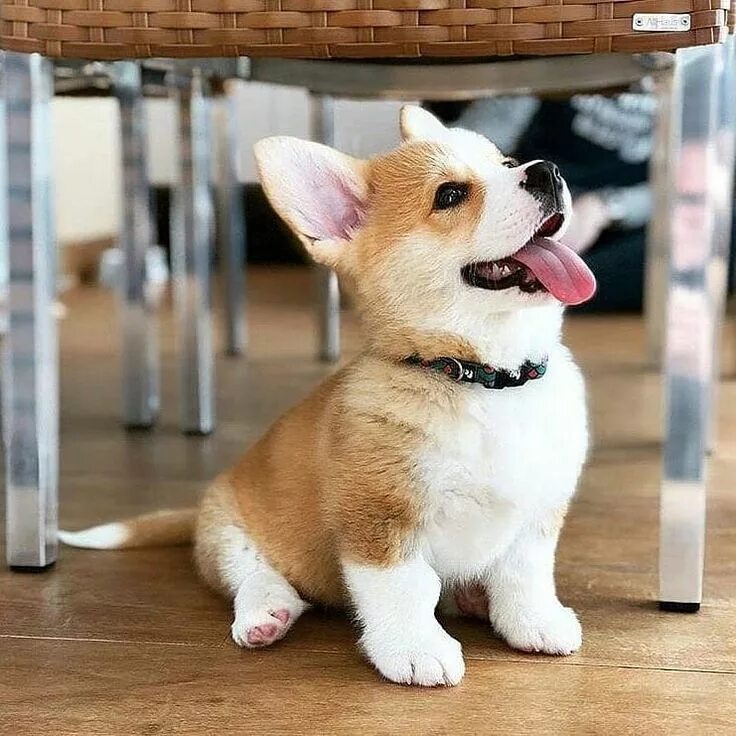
{"type": "Point", "coordinates": [418, 124]}
{"type": "Point", "coordinates": [319, 192]}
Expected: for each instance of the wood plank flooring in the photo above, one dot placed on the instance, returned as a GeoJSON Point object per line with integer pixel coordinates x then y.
{"type": "Point", "coordinates": [132, 643]}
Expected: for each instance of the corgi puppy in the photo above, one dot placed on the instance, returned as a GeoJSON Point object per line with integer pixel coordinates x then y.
{"type": "Point", "coordinates": [435, 469]}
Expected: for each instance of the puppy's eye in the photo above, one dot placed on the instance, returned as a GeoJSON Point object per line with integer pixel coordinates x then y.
{"type": "Point", "coordinates": [450, 194]}
{"type": "Point", "coordinates": [510, 163]}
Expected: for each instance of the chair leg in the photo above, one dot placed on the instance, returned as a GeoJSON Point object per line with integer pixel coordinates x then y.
{"type": "Point", "coordinates": [717, 276]}
{"type": "Point", "coordinates": [689, 327]}
{"type": "Point", "coordinates": [4, 245]}
{"type": "Point", "coordinates": [191, 244]}
{"type": "Point", "coordinates": [30, 350]}
{"type": "Point", "coordinates": [327, 286]}
{"type": "Point", "coordinates": [656, 267]}
{"type": "Point", "coordinates": [231, 228]}
{"type": "Point", "coordinates": [140, 349]}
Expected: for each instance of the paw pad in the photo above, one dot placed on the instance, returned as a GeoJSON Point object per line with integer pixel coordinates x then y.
{"type": "Point", "coordinates": [262, 635]}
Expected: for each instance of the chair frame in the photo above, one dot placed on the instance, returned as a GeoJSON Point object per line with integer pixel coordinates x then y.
{"type": "Point", "coordinates": [679, 289]}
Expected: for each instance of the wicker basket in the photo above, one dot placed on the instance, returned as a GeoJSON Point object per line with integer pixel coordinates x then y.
{"type": "Point", "coordinates": [109, 29]}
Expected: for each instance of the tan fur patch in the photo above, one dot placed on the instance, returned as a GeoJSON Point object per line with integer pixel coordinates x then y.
{"type": "Point", "coordinates": [335, 477]}
{"type": "Point", "coordinates": [278, 486]}
{"type": "Point", "coordinates": [402, 186]}
{"type": "Point", "coordinates": [372, 499]}
{"type": "Point", "coordinates": [217, 512]}
{"type": "Point", "coordinates": [400, 343]}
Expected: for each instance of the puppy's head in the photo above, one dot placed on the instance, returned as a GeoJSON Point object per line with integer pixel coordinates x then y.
{"type": "Point", "coordinates": [440, 233]}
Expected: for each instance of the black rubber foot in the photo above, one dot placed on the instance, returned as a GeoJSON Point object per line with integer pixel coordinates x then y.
{"type": "Point", "coordinates": [197, 432]}
{"type": "Point", "coordinates": [676, 607]}
{"type": "Point", "coordinates": [31, 568]}
{"type": "Point", "coordinates": [139, 427]}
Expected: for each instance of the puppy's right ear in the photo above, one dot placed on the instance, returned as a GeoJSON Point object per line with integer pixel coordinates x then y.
{"type": "Point", "coordinates": [319, 192]}
{"type": "Point", "coordinates": [418, 124]}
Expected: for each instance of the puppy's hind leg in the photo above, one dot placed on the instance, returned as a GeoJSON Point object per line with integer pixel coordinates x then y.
{"type": "Point", "coordinates": [265, 604]}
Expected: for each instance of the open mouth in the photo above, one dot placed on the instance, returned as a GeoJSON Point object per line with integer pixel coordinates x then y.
{"type": "Point", "coordinates": [542, 264]}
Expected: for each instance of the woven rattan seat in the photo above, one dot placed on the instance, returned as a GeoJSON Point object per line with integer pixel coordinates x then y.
{"type": "Point", "coordinates": [110, 29]}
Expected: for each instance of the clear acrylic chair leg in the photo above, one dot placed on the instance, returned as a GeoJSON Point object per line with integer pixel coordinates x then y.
{"type": "Point", "coordinates": [689, 327]}
{"type": "Point", "coordinates": [4, 245]}
{"type": "Point", "coordinates": [722, 187]}
{"type": "Point", "coordinates": [656, 266]}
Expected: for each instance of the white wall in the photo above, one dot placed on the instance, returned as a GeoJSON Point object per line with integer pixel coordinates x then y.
{"type": "Point", "coordinates": [87, 147]}
{"type": "Point", "coordinates": [86, 155]}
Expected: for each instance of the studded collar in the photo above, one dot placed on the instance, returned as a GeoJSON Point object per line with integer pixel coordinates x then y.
{"type": "Point", "coordinates": [466, 371]}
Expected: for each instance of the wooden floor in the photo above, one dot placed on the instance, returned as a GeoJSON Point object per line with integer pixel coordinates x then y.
{"type": "Point", "coordinates": [131, 642]}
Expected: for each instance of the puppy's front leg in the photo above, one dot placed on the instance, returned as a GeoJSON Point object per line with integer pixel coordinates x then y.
{"type": "Point", "coordinates": [524, 608]}
{"type": "Point", "coordinates": [401, 636]}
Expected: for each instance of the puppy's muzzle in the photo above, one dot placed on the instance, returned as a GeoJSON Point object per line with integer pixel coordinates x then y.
{"type": "Point", "coordinates": [544, 182]}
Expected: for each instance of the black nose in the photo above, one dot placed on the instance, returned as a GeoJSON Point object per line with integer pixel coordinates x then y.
{"type": "Point", "coordinates": [543, 178]}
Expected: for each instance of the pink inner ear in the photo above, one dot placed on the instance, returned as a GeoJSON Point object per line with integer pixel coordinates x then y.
{"type": "Point", "coordinates": [329, 203]}
{"type": "Point", "coordinates": [320, 192]}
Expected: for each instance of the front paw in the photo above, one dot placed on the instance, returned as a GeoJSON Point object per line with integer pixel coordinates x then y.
{"type": "Point", "coordinates": [554, 630]}
{"type": "Point", "coordinates": [416, 658]}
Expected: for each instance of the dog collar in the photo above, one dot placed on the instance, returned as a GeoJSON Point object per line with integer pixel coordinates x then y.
{"type": "Point", "coordinates": [465, 371]}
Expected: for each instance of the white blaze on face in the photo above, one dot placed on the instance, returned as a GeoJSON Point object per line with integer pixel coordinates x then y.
{"type": "Point", "coordinates": [510, 214]}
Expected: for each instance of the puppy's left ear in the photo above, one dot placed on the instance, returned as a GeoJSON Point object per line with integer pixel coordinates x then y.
{"type": "Point", "coordinates": [418, 124]}
{"type": "Point", "coordinates": [320, 193]}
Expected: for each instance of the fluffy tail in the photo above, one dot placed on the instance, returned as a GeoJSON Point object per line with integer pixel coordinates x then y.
{"type": "Point", "coordinates": [158, 529]}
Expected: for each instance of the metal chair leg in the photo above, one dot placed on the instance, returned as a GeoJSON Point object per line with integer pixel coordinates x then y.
{"type": "Point", "coordinates": [231, 232]}
{"type": "Point", "coordinates": [140, 349]}
{"type": "Point", "coordinates": [4, 245]}
{"type": "Point", "coordinates": [328, 289]}
{"type": "Point", "coordinates": [725, 140]}
{"type": "Point", "coordinates": [30, 350]}
{"type": "Point", "coordinates": [689, 328]}
{"type": "Point", "coordinates": [656, 267]}
{"type": "Point", "coordinates": [191, 241]}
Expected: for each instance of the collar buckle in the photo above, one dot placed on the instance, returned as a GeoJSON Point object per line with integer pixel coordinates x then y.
{"type": "Point", "coordinates": [460, 377]}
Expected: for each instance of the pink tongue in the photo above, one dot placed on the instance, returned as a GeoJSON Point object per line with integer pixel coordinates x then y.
{"type": "Point", "coordinates": [559, 268]}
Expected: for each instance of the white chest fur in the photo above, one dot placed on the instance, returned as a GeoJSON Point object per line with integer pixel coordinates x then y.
{"type": "Point", "coordinates": [507, 456]}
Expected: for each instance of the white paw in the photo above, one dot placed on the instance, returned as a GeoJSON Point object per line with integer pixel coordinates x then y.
{"type": "Point", "coordinates": [264, 621]}
{"type": "Point", "coordinates": [550, 631]}
{"type": "Point", "coordinates": [434, 658]}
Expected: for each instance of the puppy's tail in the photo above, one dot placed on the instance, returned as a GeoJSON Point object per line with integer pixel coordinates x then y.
{"type": "Point", "coordinates": [158, 529]}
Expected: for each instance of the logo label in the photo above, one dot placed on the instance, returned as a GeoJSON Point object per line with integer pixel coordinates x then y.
{"type": "Point", "coordinates": [667, 22]}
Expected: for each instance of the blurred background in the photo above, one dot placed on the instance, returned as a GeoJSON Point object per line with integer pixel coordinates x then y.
{"type": "Point", "coordinates": [601, 143]}
{"type": "Point", "coordinates": [87, 160]}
